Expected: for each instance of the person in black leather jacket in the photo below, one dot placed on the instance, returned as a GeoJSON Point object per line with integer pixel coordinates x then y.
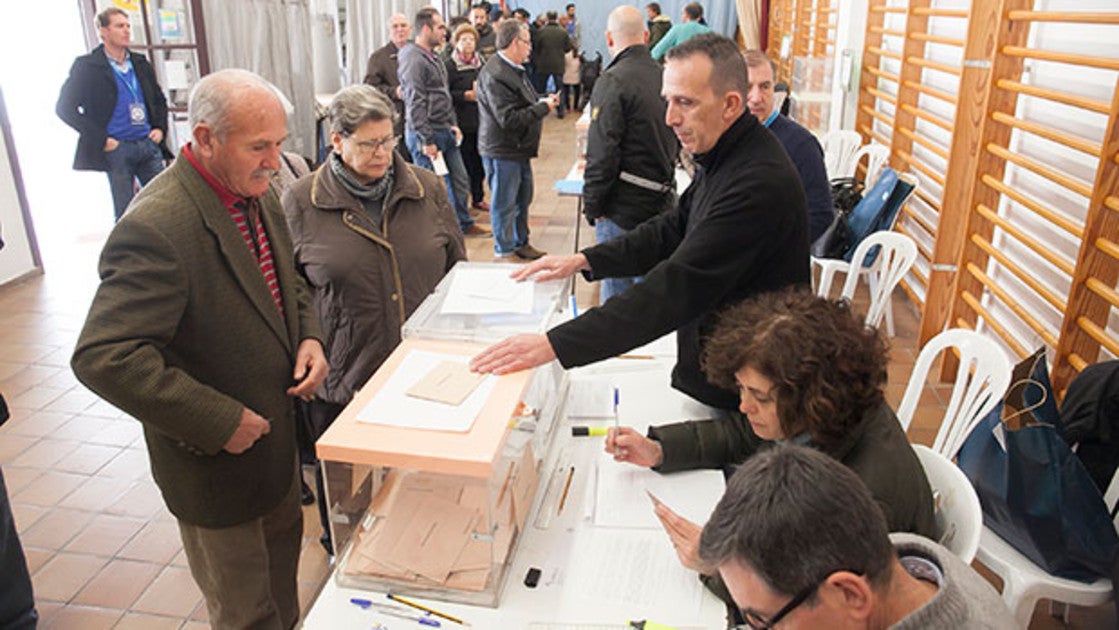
{"type": "Point", "coordinates": [630, 150]}
{"type": "Point", "coordinates": [510, 120]}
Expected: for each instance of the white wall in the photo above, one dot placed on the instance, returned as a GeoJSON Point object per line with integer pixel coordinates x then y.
{"type": "Point", "coordinates": [16, 259]}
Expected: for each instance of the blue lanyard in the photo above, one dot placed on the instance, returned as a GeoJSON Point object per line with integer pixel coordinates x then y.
{"type": "Point", "coordinates": [129, 78]}
{"type": "Point", "coordinates": [773, 115]}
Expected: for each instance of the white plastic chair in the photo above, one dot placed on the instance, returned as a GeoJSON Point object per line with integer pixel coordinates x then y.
{"type": "Point", "coordinates": [877, 156]}
{"type": "Point", "coordinates": [981, 380]}
{"type": "Point", "coordinates": [1024, 582]}
{"type": "Point", "coordinates": [839, 152]}
{"type": "Point", "coordinates": [894, 259]}
{"type": "Point", "coordinates": [830, 267]}
{"type": "Point", "coordinates": [959, 519]}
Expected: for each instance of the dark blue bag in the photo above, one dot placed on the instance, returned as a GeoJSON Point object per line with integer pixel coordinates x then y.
{"type": "Point", "coordinates": [1033, 489]}
{"type": "Point", "coordinates": [877, 211]}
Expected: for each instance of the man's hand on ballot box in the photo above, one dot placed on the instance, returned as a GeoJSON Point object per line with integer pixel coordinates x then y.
{"type": "Point", "coordinates": [551, 268]}
{"type": "Point", "coordinates": [517, 353]}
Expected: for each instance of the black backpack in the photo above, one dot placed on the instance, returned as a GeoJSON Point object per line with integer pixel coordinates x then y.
{"type": "Point", "coordinates": [846, 193]}
{"type": "Point", "coordinates": [1090, 415]}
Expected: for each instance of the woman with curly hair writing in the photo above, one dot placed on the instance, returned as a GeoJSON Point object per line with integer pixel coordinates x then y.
{"type": "Point", "coordinates": [808, 372]}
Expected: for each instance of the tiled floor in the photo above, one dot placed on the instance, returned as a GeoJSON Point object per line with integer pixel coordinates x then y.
{"type": "Point", "coordinates": [103, 550]}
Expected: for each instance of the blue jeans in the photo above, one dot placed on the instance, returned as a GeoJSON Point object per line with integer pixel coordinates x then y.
{"type": "Point", "coordinates": [510, 195]}
{"type": "Point", "coordinates": [607, 230]}
{"type": "Point", "coordinates": [131, 160]}
{"type": "Point", "coordinates": [456, 180]}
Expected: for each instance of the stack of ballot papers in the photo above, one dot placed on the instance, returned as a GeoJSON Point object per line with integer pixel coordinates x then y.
{"type": "Point", "coordinates": [435, 530]}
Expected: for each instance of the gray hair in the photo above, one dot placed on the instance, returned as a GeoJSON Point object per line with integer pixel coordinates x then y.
{"type": "Point", "coordinates": [793, 516]}
{"type": "Point", "coordinates": [213, 97]}
{"type": "Point", "coordinates": [508, 32]}
{"type": "Point", "coordinates": [356, 104]}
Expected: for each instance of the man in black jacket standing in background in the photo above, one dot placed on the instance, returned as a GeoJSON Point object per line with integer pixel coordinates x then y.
{"type": "Point", "coordinates": [112, 100]}
{"type": "Point", "coordinates": [630, 151]}
{"type": "Point", "coordinates": [738, 230]}
{"type": "Point", "coordinates": [549, 46]}
{"type": "Point", "coordinates": [510, 119]}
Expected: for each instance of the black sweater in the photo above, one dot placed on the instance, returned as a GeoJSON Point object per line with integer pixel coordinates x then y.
{"type": "Point", "coordinates": [740, 229]}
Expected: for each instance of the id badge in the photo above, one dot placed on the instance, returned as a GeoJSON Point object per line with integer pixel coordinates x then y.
{"type": "Point", "coordinates": [137, 114]}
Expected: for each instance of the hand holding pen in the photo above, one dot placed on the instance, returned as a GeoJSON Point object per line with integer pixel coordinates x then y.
{"type": "Point", "coordinates": [627, 445]}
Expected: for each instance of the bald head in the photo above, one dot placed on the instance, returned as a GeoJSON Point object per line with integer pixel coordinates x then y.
{"type": "Point", "coordinates": [624, 28]}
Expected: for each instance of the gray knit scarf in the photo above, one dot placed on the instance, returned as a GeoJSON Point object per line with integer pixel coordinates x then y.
{"type": "Point", "coordinates": [365, 192]}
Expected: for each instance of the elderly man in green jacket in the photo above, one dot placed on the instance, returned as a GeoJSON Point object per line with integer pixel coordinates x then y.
{"type": "Point", "coordinates": [203, 332]}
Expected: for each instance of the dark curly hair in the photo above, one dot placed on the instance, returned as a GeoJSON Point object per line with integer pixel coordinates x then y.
{"type": "Point", "coordinates": [827, 367]}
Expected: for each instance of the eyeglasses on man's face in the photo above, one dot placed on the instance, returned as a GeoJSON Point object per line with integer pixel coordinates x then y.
{"type": "Point", "coordinates": [757, 621]}
{"type": "Point", "coordinates": [369, 147]}
{"type": "Point", "coordinates": [526, 40]}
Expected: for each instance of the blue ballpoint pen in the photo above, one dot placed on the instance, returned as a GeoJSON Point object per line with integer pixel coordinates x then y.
{"type": "Point", "coordinates": [617, 427]}
{"type": "Point", "coordinates": [423, 620]}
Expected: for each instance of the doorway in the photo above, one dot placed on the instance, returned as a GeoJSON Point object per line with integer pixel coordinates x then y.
{"type": "Point", "coordinates": [72, 211]}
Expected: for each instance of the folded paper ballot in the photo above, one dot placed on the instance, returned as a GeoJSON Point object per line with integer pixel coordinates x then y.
{"type": "Point", "coordinates": [449, 383]}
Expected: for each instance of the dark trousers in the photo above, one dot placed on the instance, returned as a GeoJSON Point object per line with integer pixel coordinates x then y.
{"type": "Point", "coordinates": [571, 94]}
{"type": "Point", "coordinates": [17, 605]}
{"type": "Point", "coordinates": [131, 160]}
{"type": "Point", "coordinates": [473, 163]}
{"type": "Point", "coordinates": [313, 420]}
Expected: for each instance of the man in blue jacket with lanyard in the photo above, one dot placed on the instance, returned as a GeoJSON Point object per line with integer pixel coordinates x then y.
{"type": "Point", "coordinates": [113, 101]}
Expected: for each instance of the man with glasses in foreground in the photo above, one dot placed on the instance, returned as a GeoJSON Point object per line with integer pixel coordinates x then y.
{"type": "Point", "coordinates": [800, 543]}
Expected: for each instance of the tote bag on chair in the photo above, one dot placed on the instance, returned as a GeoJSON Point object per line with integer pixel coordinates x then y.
{"type": "Point", "coordinates": [1033, 489]}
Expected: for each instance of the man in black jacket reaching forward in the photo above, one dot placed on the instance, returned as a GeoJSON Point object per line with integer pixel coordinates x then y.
{"type": "Point", "coordinates": [739, 229]}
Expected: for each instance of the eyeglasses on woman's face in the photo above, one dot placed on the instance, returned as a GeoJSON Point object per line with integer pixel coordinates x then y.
{"type": "Point", "coordinates": [369, 147]}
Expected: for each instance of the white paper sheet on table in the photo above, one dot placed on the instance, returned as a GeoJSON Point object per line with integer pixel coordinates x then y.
{"type": "Point", "coordinates": [590, 397]}
{"type": "Point", "coordinates": [621, 499]}
{"type": "Point", "coordinates": [486, 291]}
{"type": "Point", "coordinates": [391, 406]}
{"type": "Point", "coordinates": [635, 570]}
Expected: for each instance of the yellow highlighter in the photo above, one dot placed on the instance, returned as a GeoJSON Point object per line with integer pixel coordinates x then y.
{"type": "Point", "coordinates": [585, 431]}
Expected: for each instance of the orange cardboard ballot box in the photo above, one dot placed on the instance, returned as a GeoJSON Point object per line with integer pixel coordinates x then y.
{"type": "Point", "coordinates": [431, 471]}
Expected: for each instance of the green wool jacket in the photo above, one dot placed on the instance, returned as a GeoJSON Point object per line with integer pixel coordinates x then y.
{"type": "Point", "coordinates": [876, 450]}
{"type": "Point", "coordinates": [183, 333]}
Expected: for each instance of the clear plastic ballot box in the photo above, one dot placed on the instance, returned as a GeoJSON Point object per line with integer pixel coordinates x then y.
{"type": "Point", "coordinates": [431, 471]}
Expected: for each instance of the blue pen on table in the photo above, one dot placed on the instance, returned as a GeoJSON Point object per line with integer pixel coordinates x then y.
{"type": "Point", "coordinates": [392, 611]}
{"type": "Point", "coordinates": [574, 307]}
